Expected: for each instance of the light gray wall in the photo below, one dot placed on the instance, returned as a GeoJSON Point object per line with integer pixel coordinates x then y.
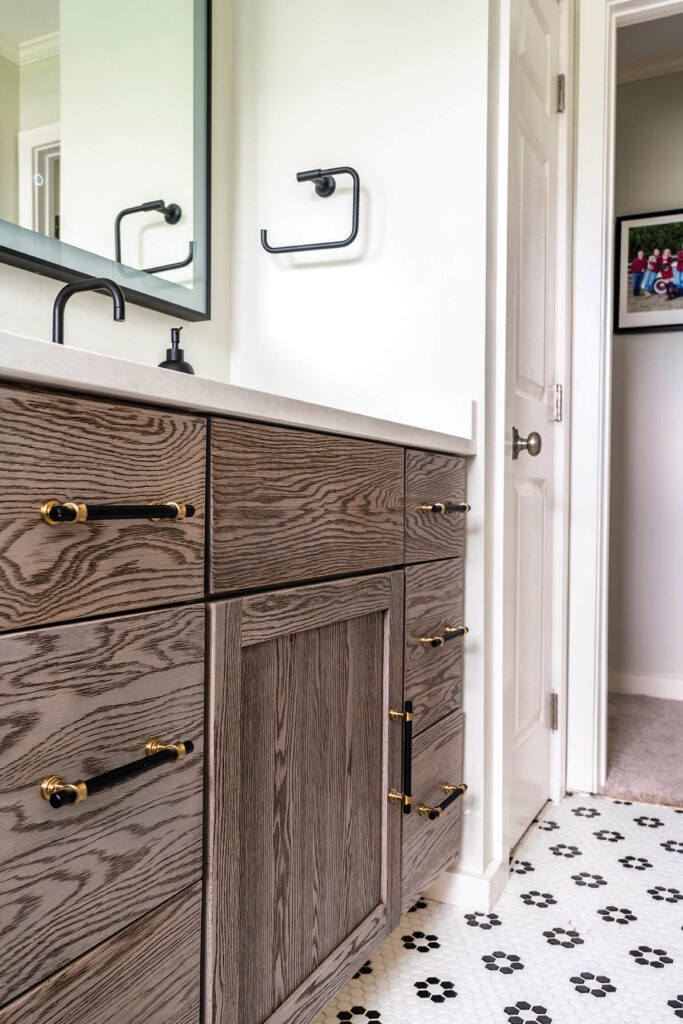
{"type": "Point", "coordinates": [9, 127]}
{"type": "Point", "coordinates": [646, 544]}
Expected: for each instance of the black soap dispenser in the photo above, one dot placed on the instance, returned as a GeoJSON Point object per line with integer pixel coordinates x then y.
{"type": "Point", "coordinates": [175, 355]}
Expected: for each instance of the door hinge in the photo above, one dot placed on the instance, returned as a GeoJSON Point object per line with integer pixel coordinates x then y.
{"type": "Point", "coordinates": [561, 83]}
{"type": "Point", "coordinates": [554, 712]}
{"type": "Point", "coordinates": [558, 402]}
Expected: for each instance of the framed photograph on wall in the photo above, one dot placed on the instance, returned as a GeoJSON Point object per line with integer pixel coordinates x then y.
{"type": "Point", "coordinates": [648, 287]}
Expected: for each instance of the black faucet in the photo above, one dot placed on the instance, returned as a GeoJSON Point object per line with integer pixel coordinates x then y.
{"type": "Point", "coordinates": [91, 284]}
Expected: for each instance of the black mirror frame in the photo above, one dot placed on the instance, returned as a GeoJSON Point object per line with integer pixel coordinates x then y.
{"type": "Point", "coordinates": [38, 265]}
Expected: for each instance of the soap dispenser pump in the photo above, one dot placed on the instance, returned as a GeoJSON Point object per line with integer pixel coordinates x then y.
{"type": "Point", "coordinates": [175, 355]}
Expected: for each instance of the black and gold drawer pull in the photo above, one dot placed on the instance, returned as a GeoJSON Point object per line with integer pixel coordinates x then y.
{"type": "Point", "coordinates": [406, 716]}
{"type": "Point", "coordinates": [54, 511]}
{"type": "Point", "coordinates": [441, 507]}
{"type": "Point", "coordinates": [449, 633]}
{"type": "Point", "coordinates": [61, 793]}
{"type": "Point", "coordinates": [452, 793]}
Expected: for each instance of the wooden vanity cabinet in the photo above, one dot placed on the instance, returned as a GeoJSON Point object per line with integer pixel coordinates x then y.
{"type": "Point", "coordinates": [303, 872]}
{"type": "Point", "coordinates": [286, 638]}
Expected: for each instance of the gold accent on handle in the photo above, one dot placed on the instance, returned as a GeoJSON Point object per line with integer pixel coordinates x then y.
{"type": "Point", "coordinates": [432, 641]}
{"type": "Point", "coordinates": [439, 641]}
{"type": "Point", "coordinates": [399, 798]}
{"type": "Point", "coordinates": [400, 716]}
{"type": "Point", "coordinates": [155, 746]}
{"type": "Point", "coordinates": [78, 507]}
{"type": "Point", "coordinates": [53, 784]}
{"type": "Point", "coordinates": [424, 810]}
{"type": "Point", "coordinates": [179, 506]}
{"type": "Point", "coordinates": [448, 789]}
{"type": "Point", "coordinates": [440, 506]}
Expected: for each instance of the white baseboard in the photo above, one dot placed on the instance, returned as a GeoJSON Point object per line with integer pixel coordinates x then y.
{"type": "Point", "coordinates": [665, 687]}
{"type": "Point", "coordinates": [471, 892]}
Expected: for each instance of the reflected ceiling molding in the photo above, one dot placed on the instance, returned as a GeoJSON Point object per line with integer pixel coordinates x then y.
{"type": "Point", "coordinates": [40, 48]}
{"type": "Point", "coordinates": [31, 50]}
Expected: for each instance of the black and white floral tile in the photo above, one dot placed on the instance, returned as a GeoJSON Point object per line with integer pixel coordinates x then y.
{"type": "Point", "coordinates": [589, 929]}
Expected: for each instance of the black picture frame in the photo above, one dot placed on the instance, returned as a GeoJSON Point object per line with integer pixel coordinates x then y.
{"type": "Point", "coordinates": [631, 229]}
{"type": "Point", "coordinates": [25, 259]}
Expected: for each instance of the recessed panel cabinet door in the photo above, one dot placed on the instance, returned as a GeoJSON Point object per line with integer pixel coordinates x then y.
{"type": "Point", "coordinates": [303, 871]}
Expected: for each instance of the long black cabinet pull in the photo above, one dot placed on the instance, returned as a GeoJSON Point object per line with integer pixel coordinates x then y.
{"type": "Point", "coordinates": [441, 507]}
{"type": "Point", "coordinates": [454, 792]}
{"type": "Point", "coordinates": [61, 794]}
{"type": "Point", "coordinates": [406, 716]}
{"type": "Point", "coordinates": [54, 511]}
{"type": "Point", "coordinates": [449, 633]}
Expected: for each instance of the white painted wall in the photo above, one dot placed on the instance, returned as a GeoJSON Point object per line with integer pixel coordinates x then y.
{"type": "Point", "coordinates": [9, 126]}
{"type": "Point", "coordinates": [394, 323]}
{"type": "Point", "coordinates": [39, 93]}
{"type": "Point", "coordinates": [646, 550]}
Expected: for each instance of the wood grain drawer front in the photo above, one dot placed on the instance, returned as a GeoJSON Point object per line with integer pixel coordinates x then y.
{"type": "Point", "coordinates": [147, 974]}
{"type": "Point", "coordinates": [75, 701]}
{"type": "Point", "coordinates": [430, 846]}
{"type": "Point", "coordinates": [303, 848]}
{"type": "Point", "coordinates": [61, 447]}
{"type": "Point", "coordinates": [434, 479]}
{"type": "Point", "coordinates": [433, 675]}
{"type": "Point", "coordinates": [289, 505]}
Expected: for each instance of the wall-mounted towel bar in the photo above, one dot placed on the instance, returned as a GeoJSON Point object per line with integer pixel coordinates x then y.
{"type": "Point", "coordinates": [171, 213]}
{"type": "Point", "coordinates": [325, 184]}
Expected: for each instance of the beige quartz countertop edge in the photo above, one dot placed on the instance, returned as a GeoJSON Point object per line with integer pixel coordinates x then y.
{"type": "Point", "coordinates": [31, 361]}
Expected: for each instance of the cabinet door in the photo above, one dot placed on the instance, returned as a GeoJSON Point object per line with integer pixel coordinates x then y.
{"type": "Point", "coordinates": [303, 866]}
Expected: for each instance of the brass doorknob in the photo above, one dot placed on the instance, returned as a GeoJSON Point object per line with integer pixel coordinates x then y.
{"type": "Point", "coordinates": [531, 444]}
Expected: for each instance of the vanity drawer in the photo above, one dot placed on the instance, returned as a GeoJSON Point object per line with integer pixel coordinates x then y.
{"type": "Point", "coordinates": [290, 505]}
{"type": "Point", "coordinates": [66, 448]}
{"type": "Point", "coordinates": [429, 846]}
{"type": "Point", "coordinates": [434, 480]}
{"type": "Point", "coordinates": [433, 674]}
{"type": "Point", "coordinates": [149, 972]}
{"type": "Point", "coordinates": [75, 701]}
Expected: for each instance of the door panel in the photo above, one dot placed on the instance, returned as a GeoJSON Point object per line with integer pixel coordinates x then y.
{"type": "Point", "coordinates": [531, 342]}
{"type": "Point", "coordinates": [312, 846]}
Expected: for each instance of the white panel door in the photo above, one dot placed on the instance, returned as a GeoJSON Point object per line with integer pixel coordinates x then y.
{"type": "Point", "coordinates": [530, 376]}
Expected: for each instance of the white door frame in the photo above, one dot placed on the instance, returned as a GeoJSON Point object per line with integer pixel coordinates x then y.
{"type": "Point", "coordinates": [29, 141]}
{"type": "Point", "coordinates": [592, 379]}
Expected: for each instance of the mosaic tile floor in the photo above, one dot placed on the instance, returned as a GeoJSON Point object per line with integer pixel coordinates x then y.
{"type": "Point", "coordinates": [587, 930]}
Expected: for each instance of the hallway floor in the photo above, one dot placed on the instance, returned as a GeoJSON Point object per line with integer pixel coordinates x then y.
{"type": "Point", "coordinates": [587, 930]}
{"type": "Point", "coordinates": [643, 749]}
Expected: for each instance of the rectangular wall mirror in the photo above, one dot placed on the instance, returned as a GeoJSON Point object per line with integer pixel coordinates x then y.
{"type": "Point", "coordinates": [104, 144]}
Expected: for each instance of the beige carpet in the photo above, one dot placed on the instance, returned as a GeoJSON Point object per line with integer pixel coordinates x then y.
{"type": "Point", "coordinates": [645, 750]}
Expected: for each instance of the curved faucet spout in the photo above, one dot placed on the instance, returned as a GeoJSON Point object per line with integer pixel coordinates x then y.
{"type": "Point", "coordinates": [89, 285]}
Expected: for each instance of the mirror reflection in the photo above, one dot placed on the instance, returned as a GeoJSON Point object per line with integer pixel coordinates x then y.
{"type": "Point", "coordinates": [98, 102]}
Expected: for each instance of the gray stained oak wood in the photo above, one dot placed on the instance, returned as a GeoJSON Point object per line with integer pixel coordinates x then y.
{"type": "Point", "coordinates": [306, 837]}
{"type": "Point", "coordinates": [433, 675]}
{"type": "Point", "coordinates": [149, 973]}
{"type": "Point", "coordinates": [77, 700]}
{"type": "Point", "coordinates": [433, 478]}
{"type": "Point", "coordinates": [76, 449]}
{"type": "Point", "coordinates": [429, 847]}
{"type": "Point", "coordinates": [290, 505]}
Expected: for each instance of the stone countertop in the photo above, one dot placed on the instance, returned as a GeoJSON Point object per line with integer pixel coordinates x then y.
{"type": "Point", "coordinates": [30, 361]}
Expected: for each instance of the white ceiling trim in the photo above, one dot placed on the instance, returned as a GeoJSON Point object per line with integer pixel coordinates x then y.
{"type": "Point", "coordinates": [650, 68]}
{"type": "Point", "coordinates": [9, 49]}
{"type": "Point", "coordinates": [39, 48]}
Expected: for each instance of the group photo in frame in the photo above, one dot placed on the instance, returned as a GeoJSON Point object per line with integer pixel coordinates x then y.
{"type": "Point", "coordinates": [648, 287]}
